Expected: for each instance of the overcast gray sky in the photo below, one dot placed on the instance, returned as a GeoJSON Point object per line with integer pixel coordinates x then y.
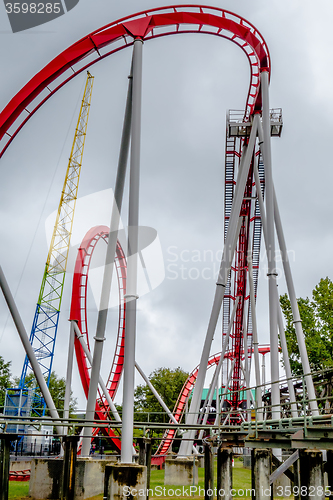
{"type": "Point", "coordinates": [189, 82]}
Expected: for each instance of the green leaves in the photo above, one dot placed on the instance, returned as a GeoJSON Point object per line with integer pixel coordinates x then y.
{"type": "Point", "coordinates": [5, 380]}
{"type": "Point", "coordinates": [317, 323]}
{"type": "Point", "coordinates": [168, 383]}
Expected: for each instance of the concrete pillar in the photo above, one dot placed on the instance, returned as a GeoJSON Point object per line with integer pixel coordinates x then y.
{"type": "Point", "coordinates": [142, 451]}
{"type": "Point", "coordinates": [148, 463]}
{"type": "Point", "coordinates": [125, 481]}
{"type": "Point", "coordinates": [209, 472]}
{"type": "Point", "coordinates": [261, 470]}
{"type": "Point", "coordinates": [181, 472]}
{"type": "Point", "coordinates": [69, 467]}
{"type": "Point", "coordinates": [224, 474]}
{"type": "Point", "coordinates": [311, 475]}
{"type": "Point", "coordinates": [4, 464]}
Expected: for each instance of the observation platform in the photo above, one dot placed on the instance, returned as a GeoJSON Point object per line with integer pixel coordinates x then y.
{"type": "Point", "coordinates": [237, 127]}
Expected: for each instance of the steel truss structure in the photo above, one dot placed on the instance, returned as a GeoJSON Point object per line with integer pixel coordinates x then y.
{"type": "Point", "coordinates": [45, 324]}
{"type": "Point", "coordinates": [248, 177]}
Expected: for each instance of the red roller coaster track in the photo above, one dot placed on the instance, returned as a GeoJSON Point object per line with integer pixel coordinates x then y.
{"type": "Point", "coordinates": [79, 313]}
{"type": "Point", "coordinates": [147, 25]}
{"type": "Point", "coordinates": [104, 42]}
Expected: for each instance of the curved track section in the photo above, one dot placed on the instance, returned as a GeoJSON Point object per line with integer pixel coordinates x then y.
{"type": "Point", "coordinates": [79, 313]}
{"type": "Point", "coordinates": [116, 36]}
{"type": "Point", "coordinates": [181, 402]}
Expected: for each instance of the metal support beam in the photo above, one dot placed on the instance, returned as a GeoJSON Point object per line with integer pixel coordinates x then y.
{"type": "Point", "coordinates": [156, 394]}
{"type": "Point", "coordinates": [274, 343]}
{"type": "Point", "coordinates": [227, 258]}
{"type": "Point", "coordinates": [225, 390]}
{"type": "Point", "coordinates": [283, 467]}
{"type": "Point", "coordinates": [259, 413]}
{"type": "Point", "coordinates": [295, 311]}
{"type": "Point", "coordinates": [100, 380]}
{"type": "Point", "coordinates": [108, 268]}
{"type": "Point", "coordinates": [287, 368]}
{"type": "Point", "coordinates": [213, 384]}
{"type": "Point", "coordinates": [132, 260]}
{"type": "Point", "coordinates": [279, 317]}
{"type": "Point", "coordinates": [69, 373]}
{"type": "Point", "coordinates": [28, 349]}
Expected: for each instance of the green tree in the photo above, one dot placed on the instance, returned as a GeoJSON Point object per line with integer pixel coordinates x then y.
{"type": "Point", "coordinates": [317, 323]}
{"type": "Point", "coordinates": [57, 388]}
{"type": "Point", "coordinates": [168, 383]}
{"type": "Point", "coordinates": [5, 380]}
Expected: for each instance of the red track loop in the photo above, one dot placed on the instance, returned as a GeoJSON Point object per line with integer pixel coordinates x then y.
{"type": "Point", "coordinates": [180, 405]}
{"type": "Point", "coordinates": [120, 34]}
{"type": "Point", "coordinates": [79, 313]}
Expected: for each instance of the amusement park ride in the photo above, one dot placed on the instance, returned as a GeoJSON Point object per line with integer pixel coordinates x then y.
{"type": "Point", "coordinates": [250, 210]}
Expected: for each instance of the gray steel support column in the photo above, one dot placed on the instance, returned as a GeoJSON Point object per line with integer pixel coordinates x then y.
{"type": "Point", "coordinates": [213, 384]}
{"type": "Point", "coordinates": [28, 349]}
{"type": "Point", "coordinates": [255, 338]}
{"type": "Point", "coordinates": [69, 373]}
{"type": "Point", "coordinates": [108, 269]}
{"type": "Point", "coordinates": [311, 475]}
{"type": "Point", "coordinates": [261, 470]}
{"type": "Point", "coordinates": [291, 288]}
{"type": "Point", "coordinates": [226, 389]}
{"type": "Point", "coordinates": [227, 257]}
{"type": "Point", "coordinates": [132, 260]}
{"type": "Point", "coordinates": [246, 365]}
{"type": "Point", "coordinates": [247, 384]}
{"type": "Point", "coordinates": [285, 354]}
{"type": "Point", "coordinates": [274, 342]}
{"type": "Point", "coordinates": [295, 311]}
{"type": "Point", "coordinates": [279, 317]}
{"type": "Point", "coordinates": [263, 373]}
{"type": "Point", "coordinates": [224, 474]}
{"type": "Point", "coordinates": [100, 380]}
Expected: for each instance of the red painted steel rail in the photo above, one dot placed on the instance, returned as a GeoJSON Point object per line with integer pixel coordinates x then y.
{"type": "Point", "coordinates": [79, 313]}
{"type": "Point", "coordinates": [96, 46]}
{"type": "Point", "coordinates": [115, 36]}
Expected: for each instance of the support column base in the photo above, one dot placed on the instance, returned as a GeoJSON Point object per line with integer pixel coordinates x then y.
{"type": "Point", "coordinates": [123, 481]}
{"type": "Point", "coordinates": [181, 472]}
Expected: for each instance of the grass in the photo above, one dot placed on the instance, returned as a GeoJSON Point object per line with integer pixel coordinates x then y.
{"type": "Point", "coordinates": [18, 490]}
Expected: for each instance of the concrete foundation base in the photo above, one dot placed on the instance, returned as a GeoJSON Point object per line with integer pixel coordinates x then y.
{"type": "Point", "coordinates": [311, 474]}
{"type": "Point", "coordinates": [47, 474]}
{"type": "Point", "coordinates": [224, 474]}
{"type": "Point", "coordinates": [181, 471]}
{"type": "Point", "coordinates": [123, 481]}
{"type": "Point", "coordinates": [261, 470]}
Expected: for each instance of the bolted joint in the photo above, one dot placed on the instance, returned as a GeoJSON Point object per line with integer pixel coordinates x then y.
{"type": "Point", "coordinates": [131, 295]}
